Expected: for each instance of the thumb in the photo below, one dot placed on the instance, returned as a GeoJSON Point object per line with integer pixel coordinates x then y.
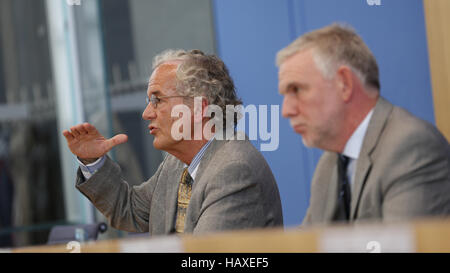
{"type": "Point", "coordinates": [116, 140]}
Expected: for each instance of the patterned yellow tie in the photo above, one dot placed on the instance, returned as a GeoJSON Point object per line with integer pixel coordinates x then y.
{"type": "Point", "coordinates": [184, 195]}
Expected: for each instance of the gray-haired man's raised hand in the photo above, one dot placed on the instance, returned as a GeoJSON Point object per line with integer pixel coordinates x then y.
{"type": "Point", "coordinates": [88, 144]}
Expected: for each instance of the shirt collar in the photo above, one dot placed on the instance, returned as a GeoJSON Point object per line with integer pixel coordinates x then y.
{"type": "Point", "coordinates": [353, 145]}
{"type": "Point", "coordinates": [192, 168]}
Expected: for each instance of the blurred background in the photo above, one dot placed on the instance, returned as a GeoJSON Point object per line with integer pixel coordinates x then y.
{"type": "Point", "coordinates": [64, 62]}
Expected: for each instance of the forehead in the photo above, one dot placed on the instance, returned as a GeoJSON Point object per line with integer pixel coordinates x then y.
{"type": "Point", "coordinates": [163, 77]}
{"type": "Point", "coordinates": [299, 68]}
{"type": "Point", "coordinates": [301, 61]}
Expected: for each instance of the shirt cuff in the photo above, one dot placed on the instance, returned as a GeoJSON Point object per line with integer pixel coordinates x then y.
{"type": "Point", "coordinates": [89, 169]}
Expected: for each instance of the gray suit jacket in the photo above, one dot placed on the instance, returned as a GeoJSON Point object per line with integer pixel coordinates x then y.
{"type": "Point", "coordinates": [402, 172]}
{"type": "Point", "coordinates": [234, 188]}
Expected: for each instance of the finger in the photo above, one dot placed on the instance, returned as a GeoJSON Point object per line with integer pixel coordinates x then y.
{"type": "Point", "coordinates": [116, 140]}
{"type": "Point", "coordinates": [90, 128]}
{"type": "Point", "coordinates": [81, 129]}
{"type": "Point", "coordinates": [74, 131]}
{"type": "Point", "coordinates": [68, 135]}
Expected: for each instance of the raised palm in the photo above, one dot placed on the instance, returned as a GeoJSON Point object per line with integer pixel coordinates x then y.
{"type": "Point", "coordinates": [87, 143]}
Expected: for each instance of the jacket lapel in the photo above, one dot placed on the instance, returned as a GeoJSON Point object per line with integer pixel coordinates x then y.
{"type": "Point", "coordinates": [364, 163]}
{"type": "Point", "coordinates": [172, 190]}
{"type": "Point", "coordinates": [172, 196]}
{"type": "Point", "coordinates": [332, 192]}
{"type": "Point", "coordinates": [206, 159]}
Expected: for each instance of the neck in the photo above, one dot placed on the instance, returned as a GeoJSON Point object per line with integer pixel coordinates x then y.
{"type": "Point", "coordinates": [357, 111]}
{"type": "Point", "coordinates": [187, 150]}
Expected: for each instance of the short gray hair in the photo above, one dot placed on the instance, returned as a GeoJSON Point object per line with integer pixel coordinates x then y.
{"type": "Point", "coordinates": [336, 45]}
{"type": "Point", "coordinates": [200, 74]}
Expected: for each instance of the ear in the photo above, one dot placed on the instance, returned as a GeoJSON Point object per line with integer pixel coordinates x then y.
{"type": "Point", "coordinates": [200, 107]}
{"type": "Point", "coordinates": [344, 77]}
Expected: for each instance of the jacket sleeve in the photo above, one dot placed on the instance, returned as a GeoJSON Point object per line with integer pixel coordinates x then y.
{"type": "Point", "coordinates": [127, 208]}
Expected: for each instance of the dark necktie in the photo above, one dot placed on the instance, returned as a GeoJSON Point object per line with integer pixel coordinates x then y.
{"type": "Point", "coordinates": [344, 194]}
{"type": "Point", "coordinates": [184, 195]}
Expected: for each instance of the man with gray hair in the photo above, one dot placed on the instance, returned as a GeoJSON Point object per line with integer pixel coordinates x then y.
{"type": "Point", "coordinates": [204, 184]}
{"type": "Point", "coordinates": [380, 162]}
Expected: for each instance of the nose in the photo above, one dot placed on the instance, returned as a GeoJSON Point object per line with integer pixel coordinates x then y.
{"type": "Point", "coordinates": [289, 107]}
{"type": "Point", "coordinates": [149, 112]}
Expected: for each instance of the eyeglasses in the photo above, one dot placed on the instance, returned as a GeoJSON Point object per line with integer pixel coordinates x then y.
{"type": "Point", "coordinates": [154, 100]}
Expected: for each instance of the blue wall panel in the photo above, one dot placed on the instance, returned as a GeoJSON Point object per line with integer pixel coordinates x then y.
{"type": "Point", "coordinates": [250, 32]}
